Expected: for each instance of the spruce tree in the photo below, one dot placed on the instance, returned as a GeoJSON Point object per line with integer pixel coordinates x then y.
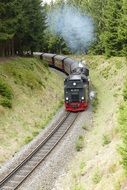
{"type": "Point", "coordinates": [122, 28]}
{"type": "Point", "coordinates": [109, 36]}
{"type": "Point", "coordinates": [8, 20]}
{"type": "Point", "coordinates": [31, 26]}
{"type": "Point", "coordinates": [22, 25]}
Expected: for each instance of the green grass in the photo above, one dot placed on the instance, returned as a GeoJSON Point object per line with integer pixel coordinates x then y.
{"type": "Point", "coordinates": [123, 132]}
{"type": "Point", "coordinates": [78, 187]}
{"type": "Point", "coordinates": [34, 93]}
{"type": "Point", "coordinates": [27, 72]}
{"type": "Point", "coordinates": [123, 128]}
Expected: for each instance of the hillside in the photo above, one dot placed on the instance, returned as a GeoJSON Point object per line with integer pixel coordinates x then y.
{"type": "Point", "coordinates": [30, 94]}
{"type": "Point", "coordinates": [98, 165]}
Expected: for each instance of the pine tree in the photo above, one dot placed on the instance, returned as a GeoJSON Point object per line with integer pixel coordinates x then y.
{"type": "Point", "coordinates": [8, 20]}
{"type": "Point", "coordinates": [22, 25]}
{"type": "Point", "coordinates": [31, 26]}
{"type": "Point", "coordinates": [109, 36]}
{"type": "Point", "coordinates": [122, 28]}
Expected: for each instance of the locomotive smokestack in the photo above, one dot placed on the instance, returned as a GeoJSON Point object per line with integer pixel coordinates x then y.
{"type": "Point", "coordinates": [77, 29]}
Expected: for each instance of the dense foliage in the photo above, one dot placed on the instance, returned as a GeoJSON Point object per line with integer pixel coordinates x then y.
{"type": "Point", "coordinates": [23, 26]}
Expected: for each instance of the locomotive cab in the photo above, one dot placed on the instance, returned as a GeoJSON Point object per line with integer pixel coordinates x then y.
{"type": "Point", "coordinates": [76, 93]}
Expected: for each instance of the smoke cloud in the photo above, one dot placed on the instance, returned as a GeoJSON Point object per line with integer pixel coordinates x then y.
{"type": "Point", "coordinates": [74, 27]}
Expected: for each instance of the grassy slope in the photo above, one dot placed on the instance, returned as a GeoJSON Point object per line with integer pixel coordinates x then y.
{"type": "Point", "coordinates": [97, 166]}
{"type": "Point", "coordinates": [37, 94]}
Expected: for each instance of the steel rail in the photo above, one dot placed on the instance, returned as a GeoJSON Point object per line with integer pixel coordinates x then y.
{"type": "Point", "coordinates": [34, 152]}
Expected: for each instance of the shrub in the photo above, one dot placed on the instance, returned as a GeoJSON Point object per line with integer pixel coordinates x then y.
{"type": "Point", "coordinates": [80, 143]}
{"type": "Point", "coordinates": [118, 64]}
{"type": "Point", "coordinates": [28, 139]}
{"type": "Point", "coordinates": [105, 72]}
{"type": "Point", "coordinates": [106, 139]}
{"type": "Point", "coordinates": [82, 168]}
{"type": "Point", "coordinates": [96, 178]}
{"type": "Point", "coordinates": [5, 94]}
{"type": "Point", "coordinates": [95, 103]}
{"type": "Point", "coordinates": [6, 103]}
{"type": "Point", "coordinates": [35, 133]}
{"type": "Point", "coordinates": [5, 90]}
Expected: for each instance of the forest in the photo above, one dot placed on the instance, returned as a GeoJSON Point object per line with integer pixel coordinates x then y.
{"type": "Point", "coordinates": [31, 93]}
{"type": "Point", "coordinates": [23, 26]}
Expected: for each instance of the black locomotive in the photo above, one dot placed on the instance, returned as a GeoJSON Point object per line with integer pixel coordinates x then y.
{"type": "Point", "coordinates": [76, 85]}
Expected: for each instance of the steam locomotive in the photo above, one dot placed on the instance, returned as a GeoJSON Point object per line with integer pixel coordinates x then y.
{"type": "Point", "coordinates": [76, 85]}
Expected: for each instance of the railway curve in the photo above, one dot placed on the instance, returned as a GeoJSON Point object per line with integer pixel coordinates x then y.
{"type": "Point", "coordinates": [19, 174]}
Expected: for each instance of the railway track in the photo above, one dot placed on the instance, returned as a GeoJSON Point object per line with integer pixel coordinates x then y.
{"type": "Point", "coordinates": [19, 174]}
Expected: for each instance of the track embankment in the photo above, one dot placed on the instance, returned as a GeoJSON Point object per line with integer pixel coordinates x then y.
{"type": "Point", "coordinates": [38, 154]}
{"type": "Point", "coordinates": [48, 171]}
{"type": "Point", "coordinates": [28, 88]}
{"type": "Point", "coordinates": [98, 166]}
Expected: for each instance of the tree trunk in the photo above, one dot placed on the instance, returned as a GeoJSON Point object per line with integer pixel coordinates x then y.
{"type": "Point", "coordinates": [12, 47]}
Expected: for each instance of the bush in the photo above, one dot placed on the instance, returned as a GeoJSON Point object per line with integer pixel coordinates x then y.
{"type": "Point", "coordinates": [80, 143]}
{"type": "Point", "coordinates": [5, 90]}
{"type": "Point", "coordinates": [28, 139]}
{"type": "Point", "coordinates": [5, 94]}
{"type": "Point", "coordinates": [118, 64]}
{"type": "Point", "coordinates": [106, 139]}
{"type": "Point", "coordinates": [105, 72]}
{"type": "Point", "coordinates": [96, 178]}
{"type": "Point", "coordinates": [35, 133]}
{"type": "Point", "coordinates": [82, 168]}
{"type": "Point", "coordinates": [6, 103]}
{"type": "Point", "coordinates": [95, 103]}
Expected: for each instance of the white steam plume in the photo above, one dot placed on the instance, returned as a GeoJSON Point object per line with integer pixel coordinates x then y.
{"type": "Point", "coordinates": [76, 28]}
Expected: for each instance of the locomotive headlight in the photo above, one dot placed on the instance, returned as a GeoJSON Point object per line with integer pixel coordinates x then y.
{"type": "Point", "coordinates": [82, 98]}
{"type": "Point", "coordinates": [74, 83]}
{"type": "Point", "coordinates": [67, 98]}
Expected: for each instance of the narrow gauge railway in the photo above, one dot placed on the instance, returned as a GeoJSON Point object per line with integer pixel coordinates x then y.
{"type": "Point", "coordinates": [76, 85]}
{"type": "Point", "coordinates": [18, 175]}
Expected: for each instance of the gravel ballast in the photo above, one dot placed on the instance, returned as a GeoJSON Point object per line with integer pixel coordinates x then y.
{"type": "Point", "coordinates": [46, 174]}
